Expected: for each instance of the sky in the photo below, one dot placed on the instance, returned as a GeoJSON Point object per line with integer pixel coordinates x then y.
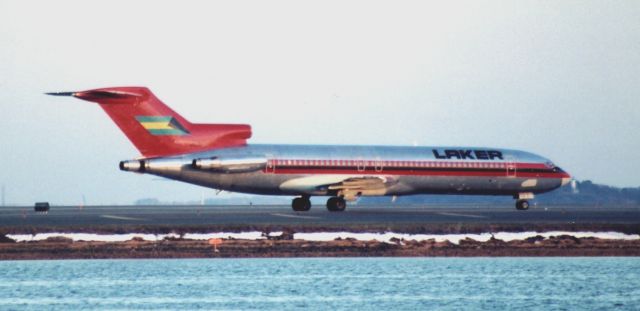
{"type": "Point", "coordinates": [557, 78]}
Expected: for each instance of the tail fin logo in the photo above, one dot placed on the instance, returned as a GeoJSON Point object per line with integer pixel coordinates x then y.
{"type": "Point", "coordinates": [162, 125]}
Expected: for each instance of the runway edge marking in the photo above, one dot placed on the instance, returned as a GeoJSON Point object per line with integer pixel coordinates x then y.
{"type": "Point", "coordinates": [461, 215]}
{"type": "Point", "coordinates": [121, 217]}
{"type": "Point", "coordinates": [295, 216]}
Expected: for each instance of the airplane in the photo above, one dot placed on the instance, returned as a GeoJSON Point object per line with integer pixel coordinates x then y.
{"type": "Point", "coordinates": [218, 156]}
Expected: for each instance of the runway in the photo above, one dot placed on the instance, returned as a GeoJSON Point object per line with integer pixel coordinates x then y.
{"type": "Point", "coordinates": [63, 216]}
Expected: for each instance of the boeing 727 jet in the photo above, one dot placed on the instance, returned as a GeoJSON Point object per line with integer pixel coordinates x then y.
{"type": "Point", "coordinates": [218, 156]}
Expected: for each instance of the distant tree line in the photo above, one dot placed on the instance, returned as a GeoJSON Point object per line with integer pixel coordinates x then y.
{"type": "Point", "coordinates": [589, 193]}
{"type": "Point", "coordinates": [584, 193]}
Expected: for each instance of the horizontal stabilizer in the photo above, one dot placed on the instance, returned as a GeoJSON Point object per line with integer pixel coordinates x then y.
{"type": "Point", "coordinates": [96, 95]}
{"type": "Point", "coordinates": [61, 93]}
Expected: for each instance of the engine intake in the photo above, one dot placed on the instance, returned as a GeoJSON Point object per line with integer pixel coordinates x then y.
{"type": "Point", "coordinates": [133, 166]}
{"type": "Point", "coordinates": [230, 165]}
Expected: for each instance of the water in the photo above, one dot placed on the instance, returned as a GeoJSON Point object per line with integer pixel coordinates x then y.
{"type": "Point", "coordinates": [323, 284]}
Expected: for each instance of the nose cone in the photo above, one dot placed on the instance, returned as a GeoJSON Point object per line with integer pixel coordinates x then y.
{"type": "Point", "coordinates": [566, 178]}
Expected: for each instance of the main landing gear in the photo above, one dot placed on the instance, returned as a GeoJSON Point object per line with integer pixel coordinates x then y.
{"type": "Point", "coordinates": [334, 204]}
{"type": "Point", "coordinates": [301, 204]}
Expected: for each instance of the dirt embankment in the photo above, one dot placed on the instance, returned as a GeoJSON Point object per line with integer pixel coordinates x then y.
{"type": "Point", "coordinates": [63, 248]}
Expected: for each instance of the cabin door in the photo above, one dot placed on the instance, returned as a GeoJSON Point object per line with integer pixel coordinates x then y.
{"type": "Point", "coordinates": [511, 167]}
{"type": "Point", "coordinates": [362, 166]}
{"type": "Point", "coordinates": [378, 165]}
{"type": "Point", "coordinates": [271, 165]}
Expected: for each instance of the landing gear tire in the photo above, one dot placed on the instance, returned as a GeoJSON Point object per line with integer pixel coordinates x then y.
{"type": "Point", "coordinates": [522, 205]}
{"type": "Point", "coordinates": [336, 204]}
{"type": "Point", "coordinates": [301, 204]}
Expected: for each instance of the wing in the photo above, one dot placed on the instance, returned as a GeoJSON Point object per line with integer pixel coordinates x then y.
{"type": "Point", "coordinates": [348, 186]}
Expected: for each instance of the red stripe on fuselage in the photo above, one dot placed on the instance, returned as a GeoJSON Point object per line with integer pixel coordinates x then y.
{"type": "Point", "coordinates": [416, 172]}
{"type": "Point", "coordinates": [414, 168]}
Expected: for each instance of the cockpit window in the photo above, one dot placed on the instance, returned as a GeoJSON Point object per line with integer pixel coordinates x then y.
{"type": "Point", "coordinates": [550, 164]}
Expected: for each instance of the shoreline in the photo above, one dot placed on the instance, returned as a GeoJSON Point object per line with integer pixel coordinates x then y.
{"type": "Point", "coordinates": [301, 240]}
{"type": "Point", "coordinates": [285, 245]}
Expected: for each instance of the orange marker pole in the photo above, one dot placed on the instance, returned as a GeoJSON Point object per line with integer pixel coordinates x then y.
{"type": "Point", "coordinates": [215, 243]}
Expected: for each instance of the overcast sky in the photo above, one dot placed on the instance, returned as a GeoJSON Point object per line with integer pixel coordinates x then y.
{"type": "Point", "coordinates": [557, 78]}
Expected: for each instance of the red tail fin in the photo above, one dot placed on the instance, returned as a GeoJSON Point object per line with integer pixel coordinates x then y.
{"type": "Point", "coordinates": [155, 129]}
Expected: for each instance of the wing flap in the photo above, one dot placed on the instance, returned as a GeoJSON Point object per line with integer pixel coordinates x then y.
{"type": "Point", "coordinates": [348, 186]}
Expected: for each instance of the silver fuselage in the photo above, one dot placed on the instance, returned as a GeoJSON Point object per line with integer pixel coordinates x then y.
{"type": "Point", "coordinates": [312, 169]}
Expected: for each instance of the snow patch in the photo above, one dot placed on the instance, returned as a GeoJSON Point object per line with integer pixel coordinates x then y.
{"type": "Point", "coordinates": [252, 235]}
{"type": "Point", "coordinates": [385, 237]}
{"type": "Point", "coordinates": [91, 237]}
{"type": "Point", "coordinates": [455, 238]}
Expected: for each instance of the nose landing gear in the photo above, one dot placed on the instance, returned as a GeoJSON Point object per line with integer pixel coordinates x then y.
{"type": "Point", "coordinates": [522, 205]}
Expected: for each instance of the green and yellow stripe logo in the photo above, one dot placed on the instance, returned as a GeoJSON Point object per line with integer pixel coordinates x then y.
{"type": "Point", "coordinates": [162, 125]}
